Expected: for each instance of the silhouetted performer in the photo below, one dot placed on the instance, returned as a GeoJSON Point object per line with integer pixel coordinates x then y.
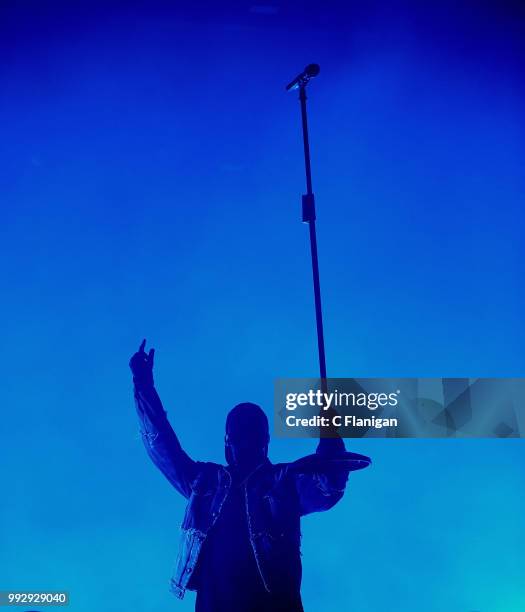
{"type": "Point", "coordinates": [240, 547]}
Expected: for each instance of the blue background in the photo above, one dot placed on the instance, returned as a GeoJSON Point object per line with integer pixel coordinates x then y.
{"type": "Point", "coordinates": [150, 183]}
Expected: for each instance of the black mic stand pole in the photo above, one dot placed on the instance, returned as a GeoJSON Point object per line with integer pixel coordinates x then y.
{"type": "Point", "coordinates": [308, 203]}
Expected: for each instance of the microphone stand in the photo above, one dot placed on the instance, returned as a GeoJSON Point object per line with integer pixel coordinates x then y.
{"type": "Point", "coordinates": [308, 214]}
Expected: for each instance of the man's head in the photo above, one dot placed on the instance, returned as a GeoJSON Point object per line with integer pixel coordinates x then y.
{"type": "Point", "coordinates": [247, 435]}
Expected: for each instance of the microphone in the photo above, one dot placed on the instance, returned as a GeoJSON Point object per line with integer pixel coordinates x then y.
{"type": "Point", "coordinates": [312, 70]}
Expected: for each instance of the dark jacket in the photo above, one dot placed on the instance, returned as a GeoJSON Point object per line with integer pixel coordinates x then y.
{"type": "Point", "coordinates": [276, 496]}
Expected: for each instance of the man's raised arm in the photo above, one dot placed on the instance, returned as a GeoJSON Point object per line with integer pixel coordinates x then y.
{"type": "Point", "coordinates": [321, 478]}
{"type": "Point", "coordinates": [158, 436]}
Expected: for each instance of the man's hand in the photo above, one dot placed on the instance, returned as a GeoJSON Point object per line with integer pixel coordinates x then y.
{"type": "Point", "coordinates": [141, 365]}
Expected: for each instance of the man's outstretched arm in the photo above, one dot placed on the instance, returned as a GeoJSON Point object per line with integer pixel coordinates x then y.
{"type": "Point", "coordinates": [158, 436]}
{"type": "Point", "coordinates": [321, 478]}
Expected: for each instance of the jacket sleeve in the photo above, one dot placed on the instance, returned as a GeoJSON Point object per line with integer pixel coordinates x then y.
{"type": "Point", "coordinates": [161, 443]}
{"type": "Point", "coordinates": [321, 478]}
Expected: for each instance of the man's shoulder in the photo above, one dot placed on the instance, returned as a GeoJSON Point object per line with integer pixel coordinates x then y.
{"type": "Point", "coordinates": [209, 467]}
{"type": "Point", "coordinates": [277, 471]}
{"type": "Point", "coordinates": [208, 475]}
